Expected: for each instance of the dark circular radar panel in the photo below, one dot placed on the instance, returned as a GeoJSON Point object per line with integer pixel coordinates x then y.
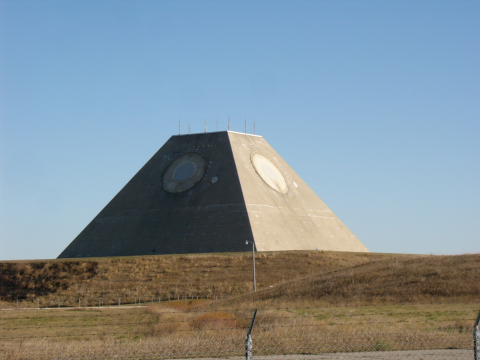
{"type": "Point", "coordinates": [184, 172]}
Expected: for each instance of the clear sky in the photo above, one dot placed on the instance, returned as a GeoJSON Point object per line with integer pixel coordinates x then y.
{"type": "Point", "coordinates": [375, 104]}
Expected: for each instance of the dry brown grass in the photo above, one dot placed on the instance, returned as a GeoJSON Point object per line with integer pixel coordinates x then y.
{"type": "Point", "coordinates": [316, 290]}
{"type": "Point", "coordinates": [305, 277]}
{"type": "Point", "coordinates": [398, 280]}
{"type": "Point", "coordinates": [230, 343]}
{"type": "Point", "coordinates": [215, 320]}
{"type": "Point", "coordinates": [74, 324]}
{"type": "Point", "coordinates": [178, 332]}
{"type": "Point", "coordinates": [171, 276]}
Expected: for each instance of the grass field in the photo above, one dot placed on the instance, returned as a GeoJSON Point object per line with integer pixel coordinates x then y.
{"type": "Point", "coordinates": [174, 318]}
{"type": "Point", "coordinates": [308, 302]}
{"type": "Point", "coordinates": [295, 289]}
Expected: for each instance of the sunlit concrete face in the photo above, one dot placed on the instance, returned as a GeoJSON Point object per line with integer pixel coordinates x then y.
{"type": "Point", "coordinates": [269, 173]}
{"type": "Point", "coordinates": [284, 213]}
{"type": "Point", "coordinates": [209, 193]}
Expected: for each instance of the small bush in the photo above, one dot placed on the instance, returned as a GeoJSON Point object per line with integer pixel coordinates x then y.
{"type": "Point", "coordinates": [215, 320]}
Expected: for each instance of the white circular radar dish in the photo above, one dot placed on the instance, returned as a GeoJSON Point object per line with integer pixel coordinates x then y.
{"type": "Point", "coordinates": [184, 172]}
{"type": "Point", "coordinates": [269, 173]}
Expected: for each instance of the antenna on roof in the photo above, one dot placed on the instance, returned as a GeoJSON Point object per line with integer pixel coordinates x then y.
{"type": "Point", "coordinates": [229, 123]}
{"type": "Point", "coordinates": [178, 127]}
{"type": "Point", "coordinates": [205, 125]}
{"type": "Point", "coordinates": [217, 125]}
{"type": "Point", "coordinates": [189, 128]}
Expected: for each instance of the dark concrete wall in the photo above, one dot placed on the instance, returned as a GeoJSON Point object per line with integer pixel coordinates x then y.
{"type": "Point", "coordinates": [144, 218]}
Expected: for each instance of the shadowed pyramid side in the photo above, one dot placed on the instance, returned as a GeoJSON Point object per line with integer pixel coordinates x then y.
{"type": "Point", "coordinates": [186, 199]}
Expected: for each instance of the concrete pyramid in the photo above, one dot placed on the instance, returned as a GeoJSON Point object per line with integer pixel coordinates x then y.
{"type": "Point", "coordinates": [210, 192]}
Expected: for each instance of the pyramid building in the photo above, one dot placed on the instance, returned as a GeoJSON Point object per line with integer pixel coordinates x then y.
{"type": "Point", "coordinates": [210, 192]}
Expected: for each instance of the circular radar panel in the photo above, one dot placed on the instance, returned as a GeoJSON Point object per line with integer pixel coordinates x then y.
{"type": "Point", "coordinates": [269, 173]}
{"type": "Point", "coordinates": [184, 172]}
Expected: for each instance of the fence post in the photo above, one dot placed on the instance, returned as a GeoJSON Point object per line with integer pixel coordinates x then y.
{"type": "Point", "coordinates": [476, 339]}
{"type": "Point", "coordinates": [248, 341]}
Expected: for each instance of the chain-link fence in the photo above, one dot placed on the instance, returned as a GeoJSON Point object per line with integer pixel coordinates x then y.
{"type": "Point", "coordinates": [270, 338]}
{"type": "Point", "coordinates": [95, 302]}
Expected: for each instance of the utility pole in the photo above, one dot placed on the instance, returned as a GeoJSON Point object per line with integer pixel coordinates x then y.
{"type": "Point", "coordinates": [253, 257]}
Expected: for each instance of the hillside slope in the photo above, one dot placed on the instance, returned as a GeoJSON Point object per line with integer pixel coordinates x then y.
{"type": "Point", "coordinates": [398, 280]}
{"type": "Point", "coordinates": [309, 276]}
{"type": "Point", "coordinates": [223, 274]}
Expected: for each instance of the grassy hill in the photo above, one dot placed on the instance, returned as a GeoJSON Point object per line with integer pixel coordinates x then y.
{"type": "Point", "coordinates": [306, 289]}
{"type": "Point", "coordinates": [394, 280]}
{"type": "Point", "coordinates": [318, 276]}
{"type": "Point", "coordinates": [220, 275]}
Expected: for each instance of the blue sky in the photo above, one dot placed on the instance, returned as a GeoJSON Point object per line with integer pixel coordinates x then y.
{"type": "Point", "coordinates": [375, 104]}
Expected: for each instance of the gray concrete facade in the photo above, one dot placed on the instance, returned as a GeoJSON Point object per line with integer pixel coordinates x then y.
{"type": "Point", "coordinates": [210, 192]}
{"type": "Point", "coordinates": [291, 219]}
